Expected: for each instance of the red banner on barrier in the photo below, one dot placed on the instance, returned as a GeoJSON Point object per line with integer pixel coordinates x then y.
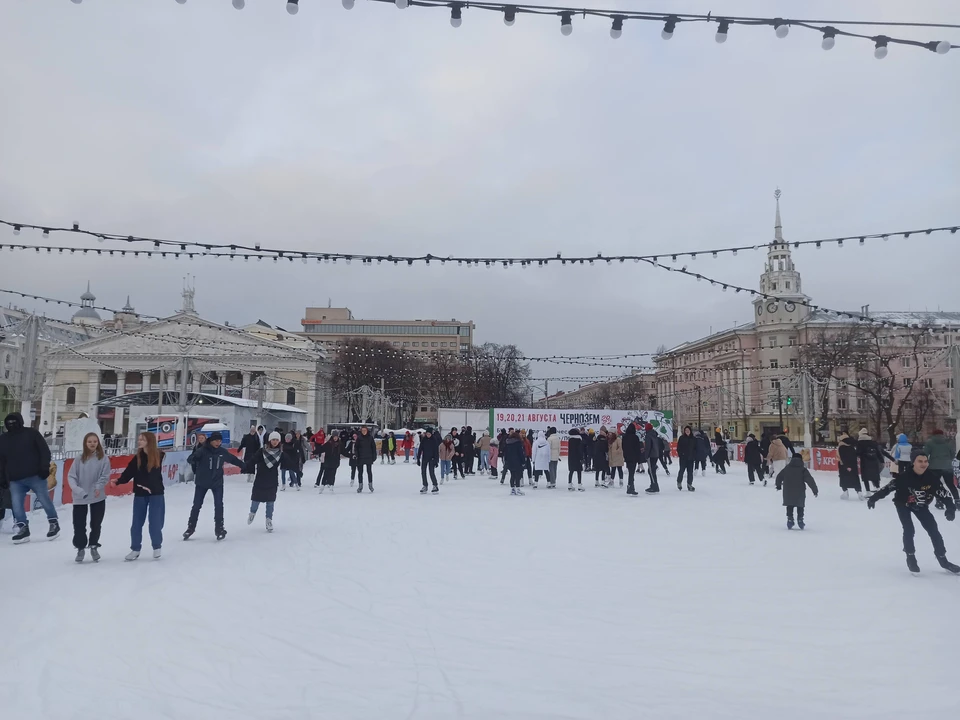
{"type": "Point", "coordinates": [824, 459]}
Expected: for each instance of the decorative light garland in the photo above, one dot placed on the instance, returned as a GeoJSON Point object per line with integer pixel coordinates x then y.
{"type": "Point", "coordinates": [829, 30]}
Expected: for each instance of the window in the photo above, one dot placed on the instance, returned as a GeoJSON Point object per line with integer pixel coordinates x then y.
{"type": "Point", "coordinates": [861, 404]}
{"type": "Point", "coordinates": [71, 396]}
{"type": "Point", "coordinates": [443, 344]}
{"type": "Point", "coordinates": [949, 383]}
{"type": "Point", "coordinates": [787, 284]}
{"type": "Point", "coordinates": [775, 384]}
{"type": "Point", "coordinates": [907, 382]}
{"type": "Point", "coordinates": [841, 403]}
{"type": "Point", "coordinates": [794, 363]}
{"type": "Point", "coordinates": [465, 331]}
{"type": "Point", "coordinates": [433, 344]}
{"type": "Point", "coordinates": [793, 342]}
{"type": "Point", "coordinates": [396, 343]}
{"type": "Point", "coordinates": [773, 286]}
{"type": "Point", "coordinates": [928, 383]}
{"type": "Point", "coordinates": [416, 344]}
{"type": "Point", "coordinates": [905, 362]}
{"type": "Point", "coordinates": [780, 264]}
{"type": "Point", "coordinates": [291, 396]}
{"type": "Point", "coordinates": [773, 342]}
{"type": "Point", "coordinates": [774, 364]}
{"type": "Point", "coordinates": [926, 361]}
{"type": "Point", "coordinates": [406, 344]}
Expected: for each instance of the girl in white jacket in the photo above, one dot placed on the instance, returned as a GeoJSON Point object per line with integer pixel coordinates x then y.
{"type": "Point", "coordinates": [541, 461]}
{"type": "Point", "coordinates": [88, 477]}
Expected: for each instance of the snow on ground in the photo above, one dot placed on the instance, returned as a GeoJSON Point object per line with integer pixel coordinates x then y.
{"type": "Point", "coordinates": [475, 604]}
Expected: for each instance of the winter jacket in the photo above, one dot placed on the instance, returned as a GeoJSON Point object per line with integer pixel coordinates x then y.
{"type": "Point", "coordinates": [365, 449]}
{"type": "Point", "coordinates": [88, 478]}
{"type": "Point", "coordinates": [686, 446]}
{"type": "Point", "coordinates": [751, 453]}
{"type": "Point", "coordinates": [407, 442]}
{"type": "Point", "coordinates": [601, 454]}
{"type": "Point", "coordinates": [785, 441]}
{"type": "Point", "coordinates": [307, 448]}
{"type": "Point", "coordinates": [869, 453]}
{"type": "Point", "coordinates": [703, 448]}
{"type": "Point", "coordinates": [146, 483]}
{"type": "Point", "coordinates": [765, 445]}
{"type": "Point", "coordinates": [902, 451]}
{"type": "Point", "coordinates": [793, 479]}
{"type": "Point", "coordinates": [720, 457]}
{"type": "Point", "coordinates": [777, 451]}
{"type": "Point", "coordinates": [250, 444]}
{"type": "Point", "coordinates": [429, 452]}
{"type": "Point", "coordinates": [847, 465]}
{"type": "Point", "coordinates": [332, 453]}
{"type": "Point", "coordinates": [940, 451]}
{"type": "Point", "coordinates": [292, 457]}
{"type": "Point", "coordinates": [445, 452]}
{"type": "Point", "coordinates": [651, 444]}
{"type": "Point", "coordinates": [632, 447]}
{"type": "Point", "coordinates": [207, 463]}
{"type": "Point", "coordinates": [23, 452]}
{"type": "Point", "coordinates": [484, 442]}
{"type": "Point", "coordinates": [266, 475]}
{"type": "Point", "coordinates": [513, 455]}
{"type": "Point", "coordinates": [574, 453]}
{"type": "Point", "coordinates": [615, 450]}
{"type": "Point", "coordinates": [541, 453]}
{"type": "Point", "coordinates": [527, 446]}
{"type": "Point", "coordinates": [554, 441]}
{"type": "Point", "coordinates": [912, 490]}
{"type": "Point", "coordinates": [588, 442]}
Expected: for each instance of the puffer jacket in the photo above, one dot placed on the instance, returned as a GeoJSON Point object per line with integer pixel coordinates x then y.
{"type": "Point", "coordinates": [541, 453]}
{"type": "Point", "coordinates": [940, 452]}
{"type": "Point", "coordinates": [777, 451]}
{"type": "Point", "coordinates": [446, 451]}
{"type": "Point", "coordinates": [554, 441]}
{"type": "Point", "coordinates": [207, 463]}
{"type": "Point", "coordinates": [87, 479]}
{"type": "Point", "coordinates": [616, 453]}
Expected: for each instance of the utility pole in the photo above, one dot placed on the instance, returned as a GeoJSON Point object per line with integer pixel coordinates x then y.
{"type": "Point", "coordinates": [807, 417]}
{"type": "Point", "coordinates": [29, 367]}
{"type": "Point", "coordinates": [780, 406]}
{"type": "Point", "coordinates": [546, 394]}
{"type": "Point", "coordinates": [181, 435]}
{"type": "Point", "coordinates": [699, 410]}
{"type": "Point", "coordinates": [261, 389]}
{"type": "Point", "coordinates": [383, 403]}
{"type": "Point", "coordinates": [720, 407]}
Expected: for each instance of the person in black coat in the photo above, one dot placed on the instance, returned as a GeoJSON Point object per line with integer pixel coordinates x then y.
{"type": "Point", "coordinates": [869, 454]}
{"type": "Point", "coordinates": [686, 455]}
{"type": "Point", "coordinates": [291, 461]}
{"type": "Point", "coordinates": [666, 458]}
{"type": "Point", "coordinates": [574, 458]}
{"type": "Point", "coordinates": [914, 490]}
{"type": "Point", "coordinates": [651, 443]}
{"type": "Point", "coordinates": [794, 479]}
{"type": "Point", "coordinates": [720, 458]}
{"type": "Point", "coordinates": [207, 460]}
{"type": "Point", "coordinates": [515, 458]}
{"type": "Point", "coordinates": [847, 467]}
{"type": "Point", "coordinates": [753, 457]}
{"type": "Point", "coordinates": [702, 452]}
{"type": "Point", "coordinates": [366, 452]}
{"type": "Point", "coordinates": [782, 437]}
{"type": "Point", "coordinates": [24, 467]}
{"type": "Point", "coordinates": [332, 453]}
{"type": "Point", "coordinates": [589, 440]}
{"type": "Point", "coordinates": [501, 442]}
{"type": "Point", "coordinates": [429, 458]}
{"type": "Point", "coordinates": [248, 447]}
{"type": "Point", "coordinates": [765, 441]}
{"type": "Point", "coordinates": [469, 441]}
{"type": "Point", "coordinates": [633, 455]}
{"type": "Point", "coordinates": [264, 464]}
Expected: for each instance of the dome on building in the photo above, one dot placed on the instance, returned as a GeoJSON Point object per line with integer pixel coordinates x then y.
{"type": "Point", "coordinates": [87, 314]}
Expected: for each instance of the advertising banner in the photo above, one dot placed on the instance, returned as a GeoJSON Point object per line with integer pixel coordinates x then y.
{"type": "Point", "coordinates": [565, 420]}
{"type": "Point", "coordinates": [824, 459]}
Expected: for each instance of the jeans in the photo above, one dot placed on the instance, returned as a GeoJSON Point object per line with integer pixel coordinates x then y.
{"type": "Point", "coordinates": [145, 506]}
{"type": "Point", "coordinates": [444, 468]}
{"type": "Point", "coordinates": [929, 524]}
{"type": "Point", "coordinates": [406, 455]}
{"type": "Point", "coordinates": [553, 471]}
{"type": "Point", "coordinates": [254, 506]}
{"type": "Point", "coordinates": [80, 540]}
{"type": "Point", "coordinates": [484, 460]}
{"type": "Point", "coordinates": [199, 493]}
{"type": "Point", "coordinates": [18, 493]}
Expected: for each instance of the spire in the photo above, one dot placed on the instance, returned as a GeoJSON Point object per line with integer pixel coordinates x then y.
{"type": "Point", "coordinates": [188, 293]}
{"type": "Point", "coordinates": [777, 227]}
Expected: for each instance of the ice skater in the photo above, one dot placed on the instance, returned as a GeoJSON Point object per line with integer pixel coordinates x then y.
{"type": "Point", "coordinates": [541, 460]}
{"type": "Point", "coordinates": [702, 453]}
{"type": "Point", "coordinates": [720, 457]}
{"type": "Point", "coordinates": [794, 479]}
{"type": "Point", "coordinates": [446, 454]}
{"type": "Point", "coordinates": [25, 467]}
{"type": "Point", "coordinates": [615, 456]}
{"type": "Point", "coordinates": [265, 467]}
{"type": "Point", "coordinates": [575, 450]}
{"type": "Point", "coordinates": [332, 454]}
{"type": "Point", "coordinates": [429, 457]}
{"type": "Point", "coordinates": [88, 478]}
{"type": "Point", "coordinates": [207, 460]}
{"type": "Point", "coordinates": [651, 443]}
{"type": "Point", "coordinates": [686, 453]}
{"type": "Point", "coordinates": [632, 455]}
{"type": "Point", "coordinates": [914, 490]}
{"type": "Point", "coordinates": [601, 459]}
{"type": "Point", "coordinates": [847, 467]}
{"type": "Point", "coordinates": [291, 461]}
{"type": "Point", "coordinates": [754, 460]}
{"type": "Point", "coordinates": [514, 459]}
{"type": "Point", "coordinates": [145, 470]}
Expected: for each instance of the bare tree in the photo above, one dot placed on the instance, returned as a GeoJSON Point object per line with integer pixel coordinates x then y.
{"type": "Point", "coordinates": [827, 356]}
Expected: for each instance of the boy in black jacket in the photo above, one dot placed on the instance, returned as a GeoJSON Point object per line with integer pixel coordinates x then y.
{"type": "Point", "coordinates": [207, 461]}
{"type": "Point", "coordinates": [914, 490]}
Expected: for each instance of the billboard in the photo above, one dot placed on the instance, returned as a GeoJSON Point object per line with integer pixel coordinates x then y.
{"type": "Point", "coordinates": [565, 420]}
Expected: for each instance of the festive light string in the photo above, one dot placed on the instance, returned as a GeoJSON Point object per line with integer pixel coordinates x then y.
{"type": "Point", "coordinates": [781, 26]}
{"type": "Point", "coordinates": [177, 248]}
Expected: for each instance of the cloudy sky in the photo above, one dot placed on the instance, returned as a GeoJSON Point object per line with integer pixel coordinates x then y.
{"type": "Point", "coordinates": [379, 130]}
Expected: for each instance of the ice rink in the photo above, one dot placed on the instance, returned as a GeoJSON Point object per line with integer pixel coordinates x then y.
{"type": "Point", "coordinates": [476, 604]}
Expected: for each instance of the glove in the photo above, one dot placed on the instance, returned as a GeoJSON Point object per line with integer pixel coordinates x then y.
{"type": "Point", "coordinates": [951, 513]}
{"type": "Point", "coordinates": [871, 503]}
{"type": "Point", "coordinates": [939, 504]}
{"type": "Point", "coordinates": [816, 494]}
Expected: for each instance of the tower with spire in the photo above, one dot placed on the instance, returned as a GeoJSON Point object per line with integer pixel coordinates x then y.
{"type": "Point", "coordinates": [126, 318]}
{"type": "Point", "coordinates": [87, 314]}
{"type": "Point", "coordinates": [780, 279]}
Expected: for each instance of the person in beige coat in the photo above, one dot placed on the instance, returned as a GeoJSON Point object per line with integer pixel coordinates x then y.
{"type": "Point", "coordinates": [777, 456]}
{"type": "Point", "coordinates": [616, 456]}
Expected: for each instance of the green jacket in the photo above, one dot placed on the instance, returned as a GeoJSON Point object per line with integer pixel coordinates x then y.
{"type": "Point", "coordinates": [940, 452]}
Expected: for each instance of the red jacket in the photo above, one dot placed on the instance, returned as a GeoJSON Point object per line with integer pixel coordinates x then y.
{"type": "Point", "coordinates": [320, 438]}
{"type": "Point", "coordinates": [527, 447]}
{"type": "Point", "coordinates": [407, 442]}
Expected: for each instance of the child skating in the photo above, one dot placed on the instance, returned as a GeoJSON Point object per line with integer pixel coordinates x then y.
{"type": "Point", "coordinates": [265, 465]}
{"type": "Point", "coordinates": [793, 479]}
{"type": "Point", "coordinates": [914, 490]}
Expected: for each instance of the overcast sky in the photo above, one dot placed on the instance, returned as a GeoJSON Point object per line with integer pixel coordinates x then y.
{"type": "Point", "coordinates": [379, 130]}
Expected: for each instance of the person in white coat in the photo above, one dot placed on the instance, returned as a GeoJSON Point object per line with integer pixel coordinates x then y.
{"type": "Point", "coordinates": [554, 441]}
{"type": "Point", "coordinates": [541, 460]}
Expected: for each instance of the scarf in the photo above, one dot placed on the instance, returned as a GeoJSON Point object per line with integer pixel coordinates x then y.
{"type": "Point", "coordinates": [271, 456]}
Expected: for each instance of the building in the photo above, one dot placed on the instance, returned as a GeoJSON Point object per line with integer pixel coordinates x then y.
{"type": "Point", "coordinates": [638, 390]}
{"type": "Point", "coordinates": [335, 326]}
{"type": "Point", "coordinates": [857, 373]}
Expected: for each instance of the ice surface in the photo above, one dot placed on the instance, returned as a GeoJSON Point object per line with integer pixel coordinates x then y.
{"type": "Point", "coordinates": [475, 604]}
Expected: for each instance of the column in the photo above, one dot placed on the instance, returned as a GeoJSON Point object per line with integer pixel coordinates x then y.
{"type": "Point", "coordinates": [245, 391]}
{"type": "Point", "coordinates": [93, 392]}
{"type": "Point", "coordinates": [118, 411]}
{"type": "Point", "coordinates": [47, 424]}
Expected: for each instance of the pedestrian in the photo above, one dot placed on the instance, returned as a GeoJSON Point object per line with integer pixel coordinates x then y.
{"type": "Point", "coordinates": [686, 452]}
{"type": "Point", "coordinates": [785, 441]}
{"type": "Point", "coordinates": [494, 456]}
{"type": "Point", "coordinates": [264, 464]}
{"type": "Point", "coordinates": [753, 459]}
{"type": "Point", "coordinates": [429, 457]}
{"type": "Point", "coordinates": [307, 445]}
{"type": "Point", "coordinates": [720, 458]}
{"type": "Point", "coordinates": [777, 455]}
{"type": "Point", "coordinates": [794, 479]}
{"type": "Point", "coordinates": [456, 462]}
{"type": "Point", "coordinates": [24, 467]}
{"type": "Point", "coordinates": [601, 459]}
{"type": "Point", "coordinates": [407, 445]}
{"type": "Point", "coordinates": [702, 453]}
{"type": "Point", "coordinates": [903, 455]}
{"type": "Point", "coordinates": [869, 454]}
{"type": "Point", "coordinates": [208, 459]}
{"type": "Point", "coordinates": [392, 448]}
{"type": "Point", "coordinates": [248, 447]}
{"type": "Point", "coordinates": [88, 478]}
{"type": "Point", "coordinates": [588, 442]}
{"type": "Point", "coordinates": [446, 453]}
{"type": "Point", "coordinates": [366, 450]}
{"type": "Point", "coordinates": [615, 456]}
{"type": "Point", "coordinates": [348, 450]}
{"type": "Point", "coordinates": [914, 490]}
{"type": "Point", "coordinates": [384, 448]}
{"type": "Point", "coordinates": [319, 440]}
{"type": "Point", "coordinates": [541, 461]}
{"type": "Point", "coordinates": [291, 461]}
{"type": "Point", "coordinates": [483, 446]}
{"type": "Point", "coordinates": [332, 455]}
{"type": "Point", "coordinates": [847, 467]}
{"type": "Point", "coordinates": [514, 457]}
{"type": "Point", "coordinates": [940, 451]}
{"type": "Point", "coordinates": [145, 471]}
{"type": "Point", "coordinates": [666, 457]}
{"type": "Point", "coordinates": [651, 444]}
{"type": "Point", "coordinates": [765, 441]}
{"type": "Point", "coordinates": [468, 442]}
{"type": "Point", "coordinates": [575, 459]}
{"type": "Point", "coordinates": [527, 440]}
{"type": "Point", "coordinates": [502, 442]}
{"type": "Point", "coordinates": [632, 455]}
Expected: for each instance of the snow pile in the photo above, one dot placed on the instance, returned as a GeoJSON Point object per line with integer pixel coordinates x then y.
{"type": "Point", "coordinates": [475, 604]}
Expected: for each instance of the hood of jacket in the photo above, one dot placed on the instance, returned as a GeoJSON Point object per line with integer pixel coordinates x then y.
{"type": "Point", "coordinates": [796, 461]}
{"type": "Point", "coordinates": [13, 422]}
{"type": "Point", "coordinates": [902, 439]}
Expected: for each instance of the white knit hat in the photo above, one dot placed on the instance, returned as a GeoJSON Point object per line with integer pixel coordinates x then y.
{"type": "Point", "coordinates": [274, 436]}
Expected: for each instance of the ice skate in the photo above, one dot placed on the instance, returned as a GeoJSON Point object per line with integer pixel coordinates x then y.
{"type": "Point", "coordinates": [156, 553]}
{"type": "Point", "coordinates": [435, 489]}
{"type": "Point", "coordinates": [423, 490]}
{"type": "Point", "coordinates": [801, 524]}
{"type": "Point", "coordinates": [352, 481]}
{"type": "Point", "coordinates": [621, 482]}
{"type": "Point", "coordinates": [370, 487]}
{"type": "Point", "coordinates": [95, 553]}
{"type": "Point", "coordinates": [571, 488]}
{"type": "Point", "coordinates": [679, 484]}
{"type": "Point", "coordinates": [54, 532]}
{"type": "Point", "coordinates": [519, 491]}
{"type": "Point", "coordinates": [859, 496]}
{"type": "Point", "coordinates": [764, 483]}
{"type": "Point", "coordinates": [947, 565]}
{"type": "Point", "coordinates": [221, 533]}
{"type": "Point", "coordinates": [790, 524]}
{"type": "Point", "coordinates": [632, 491]}
{"type": "Point", "coordinates": [690, 488]}
{"type": "Point", "coordinates": [81, 553]}
{"type": "Point", "coordinates": [283, 488]}
{"type": "Point", "coordinates": [360, 488]}
{"type": "Point", "coordinates": [912, 563]}
{"type": "Point", "coordinates": [269, 524]}
{"type": "Point", "coordinates": [596, 484]}
{"type": "Point", "coordinates": [580, 488]}
{"type": "Point", "coordinates": [131, 556]}
{"type": "Point", "coordinates": [513, 491]}
{"type": "Point", "coordinates": [21, 533]}
{"type": "Point", "coordinates": [250, 518]}
{"type": "Point", "coordinates": [298, 487]}
{"type": "Point", "coordinates": [322, 488]}
{"type": "Point", "coordinates": [551, 486]}
{"type": "Point", "coordinates": [533, 486]}
{"type": "Point", "coordinates": [652, 490]}
{"type": "Point", "coordinates": [190, 531]}
{"type": "Point", "coordinates": [845, 495]}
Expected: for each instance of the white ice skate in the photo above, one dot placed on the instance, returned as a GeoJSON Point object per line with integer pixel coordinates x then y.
{"type": "Point", "coordinates": [132, 555]}
{"type": "Point", "coordinates": [859, 495]}
{"type": "Point", "coordinates": [845, 495]}
{"type": "Point", "coordinates": [156, 554]}
{"type": "Point", "coordinates": [250, 518]}
{"type": "Point", "coordinates": [269, 524]}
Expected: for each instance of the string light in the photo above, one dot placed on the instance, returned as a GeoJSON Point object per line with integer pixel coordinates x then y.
{"type": "Point", "coordinates": [347, 4]}
{"type": "Point", "coordinates": [293, 6]}
{"type": "Point", "coordinates": [239, 4]}
{"type": "Point", "coordinates": [566, 23]}
{"type": "Point", "coordinates": [829, 38]}
{"type": "Point", "coordinates": [668, 27]}
{"type": "Point", "coordinates": [880, 49]}
{"type": "Point", "coordinates": [401, 4]}
{"type": "Point", "coordinates": [509, 15]}
{"type": "Point", "coordinates": [722, 28]}
{"type": "Point", "coordinates": [781, 28]}
{"type": "Point", "coordinates": [456, 14]}
{"type": "Point", "coordinates": [617, 29]}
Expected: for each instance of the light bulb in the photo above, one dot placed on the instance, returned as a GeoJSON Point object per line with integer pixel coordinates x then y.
{"type": "Point", "coordinates": [509, 16]}
{"type": "Point", "coordinates": [781, 28]}
{"type": "Point", "coordinates": [239, 4]}
{"type": "Point", "coordinates": [566, 23]}
{"type": "Point", "coordinates": [829, 38]}
{"type": "Point", "coordinates": [616, 29]}
{"type": "Point", "coordinates": [77, 2]}
{"type": "Point", "coordinates": [293, 6]}
{"type": "Point", "coordinates": [181, 2]}
{"type": "Point", "coordinates": [456, 16]}
{"type": "Point", "coordinates": [668, 27]}
{"type": "Point", "coordinates": [401, 4]}
{"type": "Point", "coordinates": [721, 36]}
{"type": "Point", "coordinates": [943, 47]}
{"type": "Point", "coordinates": [880, 50]}
{"type": "Point", "coordinates": [347, 4]}
{"type": "Point", "coordinates": [16, 229]}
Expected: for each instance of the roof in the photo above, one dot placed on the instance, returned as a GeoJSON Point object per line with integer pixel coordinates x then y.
{"type": "Point", "coordinates": [682, 347]}
{"type": "Point", "coordinates": [143, 399]}
{"type": "Point", "coordinates": [909, 317]}
{"type": "Point", "coordinates": [87, 313]}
